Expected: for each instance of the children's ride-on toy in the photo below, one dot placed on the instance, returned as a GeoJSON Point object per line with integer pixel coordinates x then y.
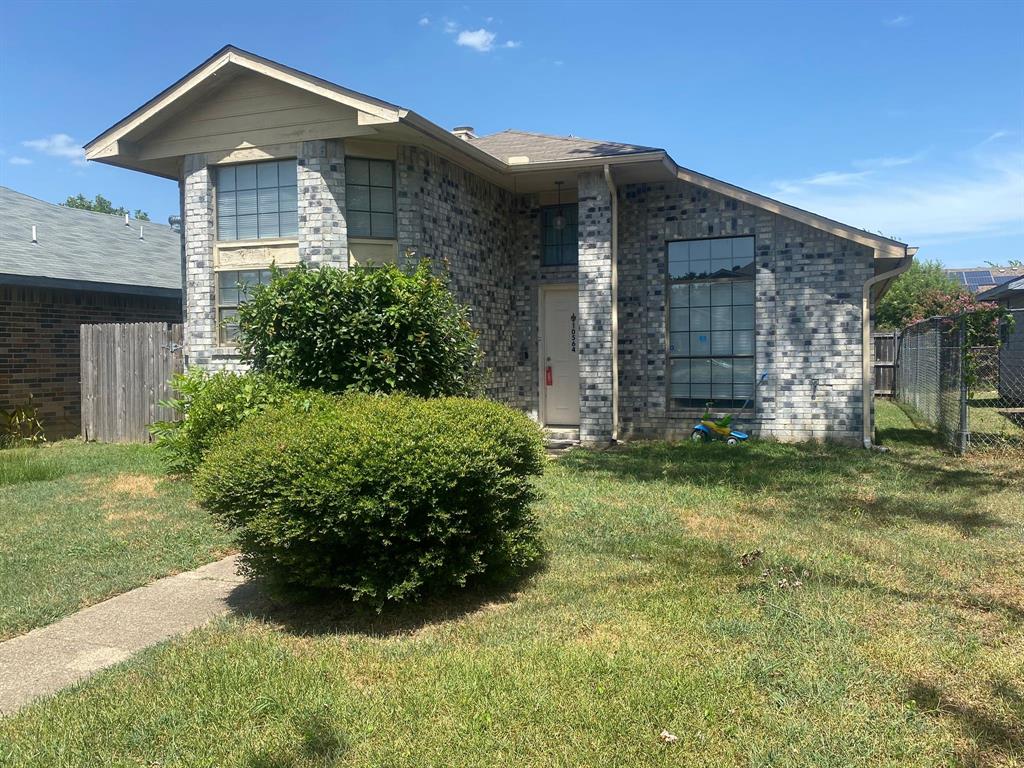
{"type": "Point", "coordinates": [708, 430]}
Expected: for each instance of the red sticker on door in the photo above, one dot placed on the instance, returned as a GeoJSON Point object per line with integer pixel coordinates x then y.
{"type": "Point", "coordinates": [547, 376]}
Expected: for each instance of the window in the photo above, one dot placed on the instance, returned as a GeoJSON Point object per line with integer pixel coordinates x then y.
{"type": "Point", "coordinates": [233, 288]}
{"type": "Point", "coordinates": [711, 321]}
{"type": "Point", "coordinates": [559, 247]}
{"type": "Point", "coordinates": [257, 200]}
{"type": "Point", "coordinates": [370, 197]}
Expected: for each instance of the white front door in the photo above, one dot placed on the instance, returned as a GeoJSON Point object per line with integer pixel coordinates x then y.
{"type": "Point", "coordinates": [560, 359]}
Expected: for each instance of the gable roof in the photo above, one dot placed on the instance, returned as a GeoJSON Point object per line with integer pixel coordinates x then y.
{"type": "Point", "coordinates": [499, 156]}
{"type": "Point", "coordinates": [85, 249]}
{"type": "Point", "coordinates": [511, 144]}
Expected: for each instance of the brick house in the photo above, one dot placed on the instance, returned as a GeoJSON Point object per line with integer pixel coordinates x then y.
{"type": "Point", "coordinates": [62, 267]}
{"type": "Point", "coordinates": [613, 289]}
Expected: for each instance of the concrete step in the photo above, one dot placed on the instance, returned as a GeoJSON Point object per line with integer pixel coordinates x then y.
{"type": "Point", "coordinates": [558, 440]}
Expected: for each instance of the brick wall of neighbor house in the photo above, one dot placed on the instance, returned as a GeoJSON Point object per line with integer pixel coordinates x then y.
{"type": "Point", "coordinates": [39, 345]}
{"type": "Point", "coordinates": [808, 327]}
{"type": "Point", "coordinates": [464, 225]}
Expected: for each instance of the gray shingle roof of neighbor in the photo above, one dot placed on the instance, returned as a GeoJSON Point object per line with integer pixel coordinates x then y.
{"type": "Point", "coordinates": [543, 148]}
{"type": "Point", "coordinates": [79, 246]}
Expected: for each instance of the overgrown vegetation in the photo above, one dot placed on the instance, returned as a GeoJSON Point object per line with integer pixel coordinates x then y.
{"type": "Point", "coordinates": [83, 521]}
{"type": "Point", "coordinates": [383, 498]}
{"type": "Point", "coordinates": [903, 644]}
{"type": "Point", "coordinates": [362, 330]}
{"type": "Point", "coordinates": [20, 425]}
{"type": "Point", "coordinates": [211, 404]}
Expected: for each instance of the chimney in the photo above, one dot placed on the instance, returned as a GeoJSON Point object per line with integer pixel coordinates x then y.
{"type": "Point", "coordinates": [464, 132]}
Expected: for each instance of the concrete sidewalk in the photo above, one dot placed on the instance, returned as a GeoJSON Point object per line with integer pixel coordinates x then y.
{"type": "Point", "coordinates": [50, 658]}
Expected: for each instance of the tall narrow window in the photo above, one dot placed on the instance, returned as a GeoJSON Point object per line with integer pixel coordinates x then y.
{"type": "Point", "coordinates": [257, 200]}
{"type": "Point", "coordinates": [560, 235]}
{"type": "Point", "coordinates": [370, 197]}
{"type": "Point", "coordinates": [711, 322]}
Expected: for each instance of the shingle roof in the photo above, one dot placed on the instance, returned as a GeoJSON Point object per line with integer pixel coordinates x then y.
{"type": "Point", "coordinates": [84, 246]}
{"type": "Point", "coordinates": [542, 148]}
{"type": "Point", "coordinates": [1011, 286]}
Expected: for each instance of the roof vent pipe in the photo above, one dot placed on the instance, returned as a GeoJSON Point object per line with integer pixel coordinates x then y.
{"type": "Point", "coordinates": [464, 132]}
{"type": "Point", "coordinates": [34, 239]}
{"type": "Point", "coordinates": [126, 220]}
{"type": "Point", "coordinates": [141, 237]}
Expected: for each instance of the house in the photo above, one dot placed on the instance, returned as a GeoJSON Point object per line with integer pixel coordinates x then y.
{"type": "Point", "coordinates": [1010, 294]}
{"type": "Point", "coordinates": [613, 288]}
{"type": "Point", "coordinates": [62, 267]}
{"type": "Point", "coordinates": [981, 279]}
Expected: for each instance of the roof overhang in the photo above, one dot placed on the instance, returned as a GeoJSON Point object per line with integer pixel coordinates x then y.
{"type": "Point", "coordinates": [36, 281]}
{"type": "Point", "coordinates": [122, 144]}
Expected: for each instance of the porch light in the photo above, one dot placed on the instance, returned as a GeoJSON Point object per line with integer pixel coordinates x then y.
{"type": "Point", "coordinates": [560, 216]}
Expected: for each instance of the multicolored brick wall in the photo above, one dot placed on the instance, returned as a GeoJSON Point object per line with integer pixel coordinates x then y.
{"type": "Point", "coordinates": [39, 345]}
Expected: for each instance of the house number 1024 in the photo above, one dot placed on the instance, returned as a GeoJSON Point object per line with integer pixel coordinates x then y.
{"type": "Point", "coordinates": [572, 333]}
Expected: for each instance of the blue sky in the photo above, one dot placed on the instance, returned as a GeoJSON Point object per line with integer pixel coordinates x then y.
{"type": "Point", "coordinates": [905, 118]}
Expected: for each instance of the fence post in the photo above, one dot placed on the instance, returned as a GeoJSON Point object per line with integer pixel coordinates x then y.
{"type": "Point", "coordinates": [964, 434]}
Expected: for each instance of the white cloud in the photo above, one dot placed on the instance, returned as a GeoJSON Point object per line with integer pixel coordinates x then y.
{"type": "Point", "coordinates": [512, 44]}
{"type": "Point", "coordinates": [888, 162]}
{"type": "Point", "coordinates": [897, 21]}
{"type": "Point", "coordinates": [425, 21]}
{"type": "Point", "coordinates": [20, 161]}
{"type": "Point", "coordinates": [481, 40]}
{"type": "Point", "coordinates": [978, 194]}
{"type": "Point", "coordinates": [450, 27]}
{"type": "Point", "coordinates": [58, 145]}
{"type": "Point", "coordinates": [996, 136]}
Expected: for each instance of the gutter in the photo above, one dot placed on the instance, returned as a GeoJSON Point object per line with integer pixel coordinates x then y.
{"type": "Point", "coordinates": [867, 343]}
{"type": "Point", "coordinates": [613, 193]}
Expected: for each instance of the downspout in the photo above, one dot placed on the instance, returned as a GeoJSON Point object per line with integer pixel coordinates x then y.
{"type": "Point", "coordinates": [867, 341]}
{"type": "Point", "coordinates": [613, 193]}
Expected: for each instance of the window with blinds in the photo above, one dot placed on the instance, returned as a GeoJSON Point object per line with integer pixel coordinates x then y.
{"type": "Point", "coordinates": [257, 200]}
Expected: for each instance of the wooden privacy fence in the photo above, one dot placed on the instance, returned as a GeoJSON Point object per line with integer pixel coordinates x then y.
{"type": "Point", "coordinates": [885, 362]}
{"type": "Point", "coordinates": [126, 368]}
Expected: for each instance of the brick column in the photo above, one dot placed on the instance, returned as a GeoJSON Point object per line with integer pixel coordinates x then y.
{"type": "Point", "coordinates": [198, 228]}
{"type": "Point", "coordinates": [323, 232]}
{"type": "Point", "coordinates": [595, 298]}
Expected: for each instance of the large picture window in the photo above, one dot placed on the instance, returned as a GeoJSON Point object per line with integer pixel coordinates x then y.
{"type": "Point", "coordinates": [370, 197]}
{"type": "Point", "coordinates": [257, 200]}
{"type": "Point", "coordinates": [711, 322]}
{"type": "Point", "coordinates": [560, 235]}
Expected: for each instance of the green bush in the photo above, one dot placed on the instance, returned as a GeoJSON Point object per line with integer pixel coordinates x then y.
{"type": "Point", "coordinates": [362, 330]}
{"type": "Point", "coordinates": [211, 404]}
{"type": "Point", "coordinates": [384, 498]}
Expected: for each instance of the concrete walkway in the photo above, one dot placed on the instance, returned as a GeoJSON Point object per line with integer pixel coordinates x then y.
{"type": "Point", "coordinates": [50, 658]}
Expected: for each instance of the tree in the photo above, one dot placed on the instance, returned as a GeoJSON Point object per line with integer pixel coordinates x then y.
{"type": "Point", "coordinates": [1011, 263]}
{"type": "Point", "coordinates": [100, 204]}
{"type": "Point", "coordinates": [922, 291]}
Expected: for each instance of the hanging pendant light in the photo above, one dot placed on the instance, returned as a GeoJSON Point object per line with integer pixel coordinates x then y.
{"type": "Point", "coordinates": [560, 216]}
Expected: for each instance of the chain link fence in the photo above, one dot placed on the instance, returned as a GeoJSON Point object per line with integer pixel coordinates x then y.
{"type": "Point", "coordinates": [972, 396]}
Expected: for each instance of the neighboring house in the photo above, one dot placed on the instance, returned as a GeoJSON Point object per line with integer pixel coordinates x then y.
{"type": "Point", "coordinates": [981, 279]}
{"type": "Point", "coordinates": [612, 288]}
{"type": "Point", "coordinates": [62, 267]}
{"type": "Point", "coordinates": [1011, 353]}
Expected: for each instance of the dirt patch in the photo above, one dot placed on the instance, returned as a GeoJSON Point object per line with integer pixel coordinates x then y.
{"type": "Point", "coordinates": [133, 486]}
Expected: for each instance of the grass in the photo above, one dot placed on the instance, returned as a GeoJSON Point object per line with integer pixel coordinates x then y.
{"type": "Point", "coordinates": [901, 644]}
{"type": "Point", "coordinates": [82, 522]}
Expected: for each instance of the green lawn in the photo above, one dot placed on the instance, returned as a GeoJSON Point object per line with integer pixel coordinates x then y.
{"type": "Point", "coordinates": [81, 522]}
{"type": "Point", "coordinates": [880, 625]}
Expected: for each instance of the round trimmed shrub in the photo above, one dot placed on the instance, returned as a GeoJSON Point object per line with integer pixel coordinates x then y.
{"type": "Point", "coordinates": [384, 497]}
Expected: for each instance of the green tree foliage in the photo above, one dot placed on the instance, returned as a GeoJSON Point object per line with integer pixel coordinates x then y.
{"type": "Point", "coordinates": [383, 498]}
{"type": "Point", "coordinates": [924, 290]}
{"type": "Point", "coordinates": [362, 330]}
{"type": "Point", "coordinates": [100, 204]}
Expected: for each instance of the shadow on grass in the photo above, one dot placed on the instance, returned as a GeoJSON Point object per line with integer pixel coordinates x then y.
{"type": "Point", "coordinates": [318, 741]}
{"type": "Point", "coordinates": [330, 614]}
{"type": "Point", "coordinates": [996, 739]}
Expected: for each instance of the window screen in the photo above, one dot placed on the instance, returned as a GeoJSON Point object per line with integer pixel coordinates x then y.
{"type": "Point", "coordinates": [711, 322]}
{"type": "Point", "coordinates": [370, 197]}
{"type": "Point", "coordinates": [257, 200]}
